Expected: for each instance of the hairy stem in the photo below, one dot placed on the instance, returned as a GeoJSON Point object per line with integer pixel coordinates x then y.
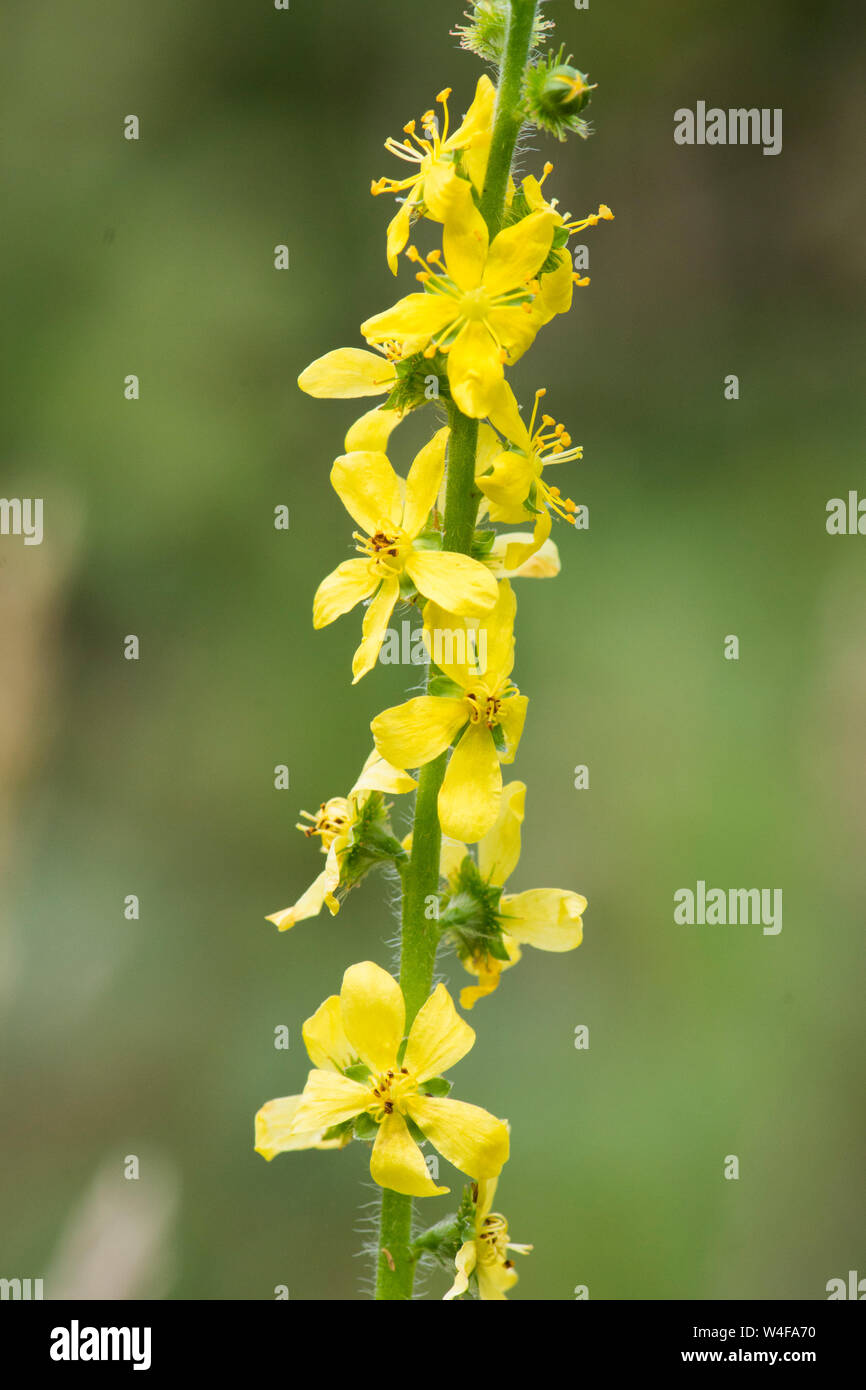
{"type": "Point", "coordinates": [395, 1270]}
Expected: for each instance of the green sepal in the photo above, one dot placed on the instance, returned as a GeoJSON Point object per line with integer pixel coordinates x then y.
{"type": "Point", "coordinates": [338, 1131]}
{"type": "Point", "coordinates": [445, 687]}
{"type": "Point", "coordinates": [365, 1126]}
{"type": "Point", "coordinates": [470, 917]}
{"type": "Point", "coordinates": [359, 1071]}
{"type": "Point", "coordinates": [500, 742]}
{"type": "Point", "coordinates": [428, 540]}
{"type": "Point", "coordinates": [410, 391]}
{"type": "Point", "coordinates": [482, 543]}
{"type": "Point", "coordinates": [418, 1135]}
{"type": "Point", "coordinates": [437, 1086]}
{"type": "Point", "coordinates": [371, 841]}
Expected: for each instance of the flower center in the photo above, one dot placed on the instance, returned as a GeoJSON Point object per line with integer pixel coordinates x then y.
{"type": "Point", "coordinates": [483, 708]}
{"type": "Point", "coordinates": [386, 547]}
{"type": "Point", "coordinates": [492, 1240]}
{"type": "Point", "coordinates": [391, 1087]}
{"type": "Point", "coordinates": [332, 819]}
{"type": "Point", "coordinates": [475, 305]}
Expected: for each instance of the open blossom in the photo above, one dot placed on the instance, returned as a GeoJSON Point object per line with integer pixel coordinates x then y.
{"type": "Point", "coordinates": [476, 305]}
{"type": "Point", "coordinates": [334, 825]}
{"type": "Point", "coordinates": [361, 1031]}
{"type": "Point", "coordinates": [432, 154]}
{"type": "Point", "coordinates": [485, 714]}
{"type": "Point", "coordinates": [487, 1254]}
{"type": "Point", "coordinates": [392, 516]}
{"type": "Point", "coordinates": [550, 919]}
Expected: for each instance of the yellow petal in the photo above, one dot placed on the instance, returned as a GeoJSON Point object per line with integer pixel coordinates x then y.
{"type": "Point", "coordinates": [374, 627]}
{"type": "Point", "coordinates": [499, 851]}
{"type": "Point", "coordinates": [451, 856]}
{"type": "Point", "coordinates": [518, 252]}
{"type": "Point", "coordinates": [329, 1099]}
{"type": "Point", "coordinates": [556, 291]}
{"type": "Point", "coordinates": [371, 432]}
{"type": "Point", "coordinates": [397, 1163]}
{"type": "Point", "coordinates": [465, 238]}
{"type": "Point", "coordinates": [275, 1132]}
{"type": "Point", "coordinates": [412, 734]}
{"type": "Point", "coordinates": [469, 1137]}
{"type": "Point", "coordinates": [489, 448]}
{"type": "Point", "coordinates": [308, 905]}
{"type": "Point", "coordinates": [475, 370]}
{"type": "Point", "coordinates": [505, 416]}
{"type": "Point", "coordinates": [348, 372]}
{"type": "Point", "coordinates": [325, 1038]}
{"type": "Point", "coordinates": [455, 582]}
{"type": "Point", "coordinates": [469, 796]}
{"type": "Point", "coordinates": [350, 583]}
{"type": "Point", "coordinates": [368, 488]}
{"type": "Point", "coordinates": [494, 1280]}
{"type": "Point", "coordinates": [416, 316]}
{"type": "Point", "coordinates": [438, 1038]}
{"type": "Point", "coordinates": [500, 635]}
{"type": "Point", "coordinates": [374, 1014]}
{"type": "Point", "coordinates": [379, 776]}
{"type": "Point", "coordinates": [547, 918]}
{"type": "Point", "coordinates": [398, 234]}
{"type": "Point", "coordinates": [515, 328]}
{"type": "Point", "coordinates": [423, 482]}
{"type": "Point", "coordinates": [478, 121]}
{"type": "Point", "coordinates": [512, 717]}
{"type": "Point", "coordinates": [454, 645]}
{"type": "Point", "coordinates": [464, 1262]}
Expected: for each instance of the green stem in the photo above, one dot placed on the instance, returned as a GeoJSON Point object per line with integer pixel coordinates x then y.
{"type": "Point", "coordinates": [395, 1269]}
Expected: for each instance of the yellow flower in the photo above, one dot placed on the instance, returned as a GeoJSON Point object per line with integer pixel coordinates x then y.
{"type": "Point", "coordinates": [557, 286]}
{"type": "Point", "coordinates": [513, 482]}
{"type": "Point", "coordinates": [486, 1255]}
{"type": "Point", "coordinates": [373, 495]}
{"type": "Point", "coordinates": [547, 918]}
{"type": "Point", "coordinates": [477, 306]}
{"type": "Point", "coordinates": [362, 1030]}
{"type": "Point", "coordinates": [334, 824]}
{"type": "Point", "coordinates": [433, 155]}
{"type": "Point", "coordinates": [486, 710]}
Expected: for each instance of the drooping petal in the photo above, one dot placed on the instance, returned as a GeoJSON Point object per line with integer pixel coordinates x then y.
{"type": "Point", "coordinates": [499, 851]}
{"type": "Point", "coordinates": [325, 1038]}
{"type": "Point", "coordinates": [375, 624]}
{"type": "Point", "coordinates": [512, 717]}
{"type": "Point", "coordinates": [464, 1262]}
{"type": "Point", "coordinates": [374, 1014]}
{"type": "Point", "coordinates": [329, 1099]}
{"type": "Point", "coordinates": [350, 583]}
{"type": "Point", "coordinates": [518, 252]}
{"type": "Point", "coordinates": [416, 316]}
{"type": "Point", "coordinates": [379, 776]}
{"type": "Point", "coordinates": [397, 1163]}
{"type": "Point", "coordinates": [469, 796]}
{"type": "Point", "coordinates": [469, 1137]}
{"type": "Point", "coordinates": [487, 970]}
{"type": "Point", "coordinates": [438, 1038]}
{"type": "Point", "coordinates": [424, 481]}
{"type": "Point", "coordinates": [453, 644]}
{"type": "Point", "coordinates": [368, 488]}
{"type": "Point", "coordinates": [347, 373]}
{"type": "Point", "coordinates": [275, 1130]}
{"type": "Point", "coordinates": [455, 582]}
{"type": "Point", "coordinates": [412, 734]}
{"type": "Point", "coordinates": [547, 918]}
{"type": "Point", "coordinates": [475, 370]}
{"type": "Point", "coordinates": [371, 431]}
{"type": "Point", "coordinates": [556, 291]}
{"type": "Point", "coordinates": [309, 904]}
{"type": "Point", "coordinates": [398, 234]}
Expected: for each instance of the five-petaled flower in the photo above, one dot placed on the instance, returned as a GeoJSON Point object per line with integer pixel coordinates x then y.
{"type": "Point", "coordinates": [476, 306]}
{"type": "Point", "coordinates": [484, 711]}
{"type": "Point", "coordinates": [393, 515]}
{"type": "Point", "coordinates": [362, 1030]}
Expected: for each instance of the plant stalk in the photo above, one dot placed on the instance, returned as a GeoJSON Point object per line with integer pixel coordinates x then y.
{"type": "Point", "coordinates": [395, 1271]}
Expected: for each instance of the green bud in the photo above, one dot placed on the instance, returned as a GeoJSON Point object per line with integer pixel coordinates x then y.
{"type": "Point", "coordinates": [556, 93]}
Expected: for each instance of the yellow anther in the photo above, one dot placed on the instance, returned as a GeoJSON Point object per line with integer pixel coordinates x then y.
{"type": "Point", "coordinates": [412, 253]}
{"type": "Point", "coordinates": [605, 212]}
{"type": "Point", "coordinates": [435, 256]}
{"type": "Point", "coordinates": [409, 128]}
{"type": "Point", "coordinates": [444, 94]}
{"type": "Point", "coordinates": [581, 282]}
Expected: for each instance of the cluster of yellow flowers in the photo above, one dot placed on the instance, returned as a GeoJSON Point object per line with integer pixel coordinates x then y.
{"type": "Point", "coordinates": [482, 300]}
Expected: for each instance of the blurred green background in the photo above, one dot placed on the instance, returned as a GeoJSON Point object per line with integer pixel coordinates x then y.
{"type": "Point", "coordinates": [155, 1038]}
